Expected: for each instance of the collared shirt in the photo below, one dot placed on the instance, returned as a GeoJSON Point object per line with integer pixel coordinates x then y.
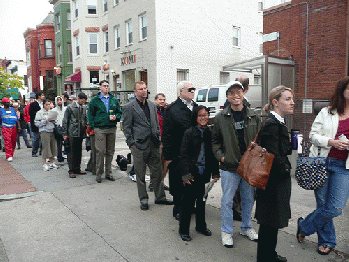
{"type": "Point", "coordinates": [105, 100]}
{"type": "Point", "coordinates": [278, 117]}
{"type": "Point", "coordinates": [190, 104]}
{"type": "Point", "coordinates": [41, 104]}
{"type": "Point", "coordinates": [145, 108]}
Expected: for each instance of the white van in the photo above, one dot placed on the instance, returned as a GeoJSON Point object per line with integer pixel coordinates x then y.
{"type": "Point", "coordinates": [214, 97]}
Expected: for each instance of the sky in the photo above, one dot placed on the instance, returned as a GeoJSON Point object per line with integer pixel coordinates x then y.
{"type": "Point", "coordinates": [15, 17]}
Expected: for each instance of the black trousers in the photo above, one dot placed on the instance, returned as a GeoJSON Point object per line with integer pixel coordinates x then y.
{"type": "Point", "coordinates": [193, 194]}
{"type": "Point", "coordinates": [74, 154]}
{"type": "Point", "coordinates": [267, 240]}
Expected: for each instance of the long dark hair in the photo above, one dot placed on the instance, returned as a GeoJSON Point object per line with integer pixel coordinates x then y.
{"type": "Point", "coordinates": [196, 113]}
{"type": "Point", "coordinates": [337, 101]}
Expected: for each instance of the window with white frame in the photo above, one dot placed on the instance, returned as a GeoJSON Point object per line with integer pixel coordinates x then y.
{"type": "Point", "coordinates": [105, 5]}
{"type": "Point", "coordinates": [143, 26]}
{"type": "Point", "coordinates": [91, 7]}
{"type": "Point", "coordinates": [117, 36]}
{"type": "Point", "coordinates": [76, 8]}
{"type": "Point", "coordinates": [106, 42]}
{"type": "Point", "coordinates": [28, 56]}
{"type": "Point", "coordinates": [129, 39]}
{"type": "Point", "coordinates": [68, 20]}
{"type": "Point", "coordinates": [182, 75]}
{"type": "Point", "coordinates": [70, 53]}
{"type": "Point", "coordinates": [93, 43]}
{"type": "Point", "coordinates": [58, 22]}
{"type": "Point", "coordinates": [77, 45]}
{"type": "Point", "coordinates": [116, 2]}
{"type": "Point", "coordinates": [48, 48]}
{"type": "Point", "coordinates": [260, 6]}
{"type": "Point", "coordinates": [59, 54]}
{"type": "Point", "coordinates": [236, 36]}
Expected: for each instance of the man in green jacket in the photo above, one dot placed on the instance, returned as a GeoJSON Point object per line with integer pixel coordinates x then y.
{"type": "Point", "coordinates": [233, 129]}
{"type": "Point", "coordinates": [103, 114]}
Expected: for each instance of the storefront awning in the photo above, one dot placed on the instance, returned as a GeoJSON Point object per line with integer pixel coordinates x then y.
{"type": "Point", "coordinates": [73, 78]}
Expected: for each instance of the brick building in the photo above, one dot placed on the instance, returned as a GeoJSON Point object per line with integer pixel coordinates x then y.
{"type": "Point", "coordinates": [315, 34]}
{"type": "Point", "coordinates": [40, 55]}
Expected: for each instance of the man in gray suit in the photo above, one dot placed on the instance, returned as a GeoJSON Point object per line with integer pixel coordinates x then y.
{"type": "Point", "coordinates": [142, 132]}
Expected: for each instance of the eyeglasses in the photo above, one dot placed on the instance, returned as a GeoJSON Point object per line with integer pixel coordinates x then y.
{"type": "Point", "coordinates": [191, 89]}
{"type": "Point", "coordinates": [203, 116]}
{"type": "Point", "coordinates": [237, 92]}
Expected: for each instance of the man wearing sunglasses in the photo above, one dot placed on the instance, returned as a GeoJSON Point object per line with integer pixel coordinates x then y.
{"type": "Point", "coordinates": [177, 119]}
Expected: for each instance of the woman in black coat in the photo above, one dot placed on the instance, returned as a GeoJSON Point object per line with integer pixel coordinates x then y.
{"type": "Point", "coordinates": [197, 164]}
{"type": "Point", "coordinates": [273, 204]}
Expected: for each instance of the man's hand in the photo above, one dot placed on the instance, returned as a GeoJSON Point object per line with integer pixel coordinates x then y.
{"type": "Point", "coordinates": [65, 137]}
{"type": "Point", "coordinates": [188, 181]}
{"type": "Point", "coordinates": [222, 159]}
{"type": "Point", "coordinates": [112, 117]}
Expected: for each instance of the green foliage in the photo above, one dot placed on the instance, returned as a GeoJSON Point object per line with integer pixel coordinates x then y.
{"type": "Point", "coordinates": [9, 81]}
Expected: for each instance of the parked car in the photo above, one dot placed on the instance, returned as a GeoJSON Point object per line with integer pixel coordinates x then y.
{"type": "Point", "coordinates": [214, 97]}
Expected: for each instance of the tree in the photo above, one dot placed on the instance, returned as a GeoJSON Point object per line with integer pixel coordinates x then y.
{"type": "Point", "coordinates": [9, 81]}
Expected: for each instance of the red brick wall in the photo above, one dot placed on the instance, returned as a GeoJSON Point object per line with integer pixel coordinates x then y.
{"type": "Point", "coordinates": [327, 46]}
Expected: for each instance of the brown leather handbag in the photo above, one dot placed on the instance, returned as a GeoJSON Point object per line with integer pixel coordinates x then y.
{"type": "Point", "coordinates": [255, 165]}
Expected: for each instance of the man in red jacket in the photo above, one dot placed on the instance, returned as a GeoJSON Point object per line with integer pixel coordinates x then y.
{"type": "Point", "coordinates": [26, 115]}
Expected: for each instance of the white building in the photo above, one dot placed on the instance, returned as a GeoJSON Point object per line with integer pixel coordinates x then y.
{"type": "Point", "coordinates": [163, 42]}
{"type": "Point", "coordinates": [19, 67]}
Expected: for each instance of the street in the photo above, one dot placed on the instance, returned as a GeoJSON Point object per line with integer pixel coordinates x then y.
{"type": "Point", "coordinates": [48, 216]}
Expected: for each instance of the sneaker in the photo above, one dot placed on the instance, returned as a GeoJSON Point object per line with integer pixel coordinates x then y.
{"type": "Point", "coordinates": [9, 159]}
{"type": "Point", "coordinates": [227, 240]}
{"type": "Point", "coordinates": [133, 178]}
{"type": "Point", "coordinates": [147, 178]}
{"type": "Point", "coordinates": [45, 167]}
{"type": "Point", "coordinates": [250, 233]}
{"type": "Point", "coordinates": [53, 166]}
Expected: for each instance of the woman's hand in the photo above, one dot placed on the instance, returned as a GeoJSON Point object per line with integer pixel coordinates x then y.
{"type": "Point", "coordinates": [188, 182]}
{"type": "Point", "coordinates": [336, 143]}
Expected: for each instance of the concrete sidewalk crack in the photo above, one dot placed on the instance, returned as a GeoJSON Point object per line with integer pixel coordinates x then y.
{"type": "Point", "coordinates": [116, 251]}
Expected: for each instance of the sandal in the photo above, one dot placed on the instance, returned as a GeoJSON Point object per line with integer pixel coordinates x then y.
{"type": "Point", "coordinates": [328, 247]}
{"type": "Point", "coordinates": [299, 235]}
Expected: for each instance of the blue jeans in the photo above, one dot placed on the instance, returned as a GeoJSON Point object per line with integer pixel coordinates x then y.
{"type": "Point", "coordinates": [230, 182]}
{"type": "Point", "coordinates": [330, 202]}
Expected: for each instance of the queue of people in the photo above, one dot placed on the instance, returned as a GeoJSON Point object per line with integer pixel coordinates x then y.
{"type": "Point", "coordinates": [176, 138]}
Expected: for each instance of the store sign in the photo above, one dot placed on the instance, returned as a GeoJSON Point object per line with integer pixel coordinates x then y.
{"type": "Point", "coordinates": [128, 60]}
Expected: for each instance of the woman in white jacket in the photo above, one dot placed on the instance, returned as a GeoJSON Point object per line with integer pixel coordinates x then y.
{"type": "Point", "coordinates": [330, 123]}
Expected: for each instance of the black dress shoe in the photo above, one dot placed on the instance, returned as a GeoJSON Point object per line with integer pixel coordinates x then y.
{"type": "Point", "coordinates": [163, 202]}
{"type": "Point", "coordinates": [166, 188]}
{"type": "Point", "coordinates": [111, 178]}
{"type": "Point", "coordinates": [144, 206]}
{"type": "Point", "coordinates": [29, 146]}
{"type": "Point", "coordinates": [81, 173]}
{"type": "Point", "coordinates": [185, 237]}
{"type": "Point", "coordinates": [280, 259]}
{"type": "Point", "coordinates": [300, 237]}
{"type": "Point", "coordinates": [205, 232]}
{"type": "Point", "coordinates": [98, 179]}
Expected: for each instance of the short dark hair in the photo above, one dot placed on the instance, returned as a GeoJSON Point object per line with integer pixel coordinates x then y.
{"type": "Point", "coordinates": [138, 83]}
{"type": "Point", "coordinates": [160, 94]}
{"type": "Point", "coordinates": [103, 81]}
{"type": "Point", "coordinates": [82, 96]}
{"type": "Point", "coordinates": [337, 99]}
{"type": "Point", "coordinates": [46, 100]}
{"type": "Point", "coordinates": [196, 113]}
{"type": "Point", "coordinates": [66, 95]}
{"type": "Point", "coordinates": [38, 93]}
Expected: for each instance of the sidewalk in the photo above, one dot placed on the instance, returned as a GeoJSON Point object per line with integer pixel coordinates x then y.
{"type": "Point", "coordinates": [79, 220]}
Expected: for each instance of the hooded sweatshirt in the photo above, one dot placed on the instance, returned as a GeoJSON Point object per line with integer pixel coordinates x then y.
{"type": "Point", "coordinates": [61, 111]}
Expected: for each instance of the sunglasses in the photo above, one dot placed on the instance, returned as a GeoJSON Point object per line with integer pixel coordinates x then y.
{"type": "Point", "coordinates": [191, 89]}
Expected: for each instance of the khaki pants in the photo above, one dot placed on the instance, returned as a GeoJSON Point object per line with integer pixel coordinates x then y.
{"type": "Point", "coordinates": [105, 148]}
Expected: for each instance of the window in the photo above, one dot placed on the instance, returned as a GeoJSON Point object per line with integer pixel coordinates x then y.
{"type": "Point", "coordinates": [93, 43]}
{"type": "Point", "coordinates": [76, 8]}
{"type": "Point", "coordinates": [59, 54]}
{"type": "Point", "coordinates": [201, 95]}
{"type": "Point", "coordinates": [129, 32]}
{"type": "Point", "coordinates": [260, 6]}
{"type": "Point", "coordinates": [68, 20]}
{"type": "Point", "coordinates": [106, 42]}
{"type": "Point", "coordinates": [105, 5]}
{"type": "Point", "coordinates": [77, 45]}
{"type": "Point", "coordinates": [92, 7]}
{"type": "Point", "coordinates": [70, 53]}
{"type": "Point", "coordinates": [48, 48]}
{"type": "Point", "coordinates": [58, 22]}
{"type": "Point", "coordinates": [143, 27]}
{"type": "Point", "coordinates": [39, 50]}
{"type": "Point", "coordinates": [117, 36]}
{"type": "Point", "coordinates": [116, 2]}
{"type": "Point", "coordinates": [261, 43]}
{"type": "Point", "coordinates": [94, 77]}
{"type": "Point", "coordinates": [28, 56]}
{"type": "Point", "coordinates": [49, 79]}
{"type": "Point", "coordinates": [213, 95]}
{"type": "Point", "coordinates": [236, 36]}
{"type": "Point", "coordinates": [182, 75]}
{"type": "Point", "coordinates": [224, 78]}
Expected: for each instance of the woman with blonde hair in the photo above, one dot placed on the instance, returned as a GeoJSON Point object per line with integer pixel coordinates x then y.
{"type": "Point", "coordinates": [273, 204]}
{"type": "Point", "coordinates": [331, 123]}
